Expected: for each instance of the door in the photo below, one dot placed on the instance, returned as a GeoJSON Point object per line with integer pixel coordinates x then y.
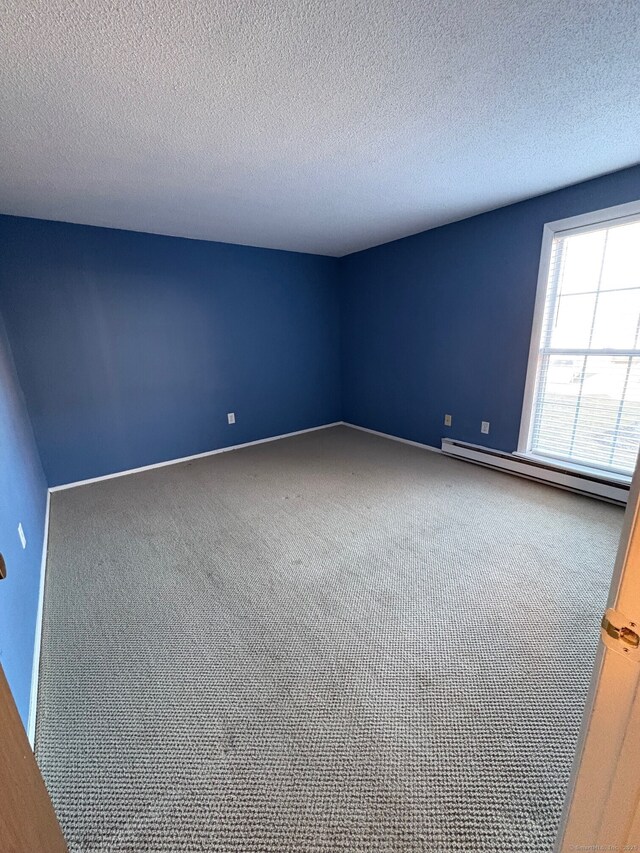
{"type": "Point", "coordinates": [27, 821]}
{"type": "Point", "coordinates": [602, 811]}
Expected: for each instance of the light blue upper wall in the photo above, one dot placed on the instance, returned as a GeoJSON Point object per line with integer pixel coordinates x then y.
{"type": "Point", "coordinates": [23, 496]}
{"type": "Point", "coordinates": [441, 322]}
{"type": "Point", "coordinates": [131, 348]}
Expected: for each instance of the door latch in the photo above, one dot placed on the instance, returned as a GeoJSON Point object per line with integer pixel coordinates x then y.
{"type": "Point", "coordinates": [621, 634]}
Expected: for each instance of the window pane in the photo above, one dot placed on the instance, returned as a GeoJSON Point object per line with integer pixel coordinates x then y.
{"type": "Point", "coordinates": [625, 451]}
{"type": "Point", "coordinates": [622, 259]}
{"type": "Point", "coordinates": [573, 319]}
{"type": "Point", "coordinates": [588, 410]}
{"type": "Point", "coordinates": [616, 319]}
{"type": "Point", "coordinates": [558, 396]}
{"type": "Point", "coordinates": [581, 262]}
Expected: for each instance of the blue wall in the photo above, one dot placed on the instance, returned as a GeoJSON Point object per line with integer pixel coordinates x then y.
{"type": "Point", "coordinates": [131, 348]}
{"type": "Point", "coordinates": [23, 495]}
{"type": "Point", "coordinates": [441, 322]}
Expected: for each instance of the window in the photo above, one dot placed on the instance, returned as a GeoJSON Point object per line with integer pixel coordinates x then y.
{"type": "Point", "coordinates": [582, 403]}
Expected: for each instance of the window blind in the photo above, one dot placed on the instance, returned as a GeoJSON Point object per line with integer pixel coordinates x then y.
{"type": "Point", "coordinates": [586, 404]}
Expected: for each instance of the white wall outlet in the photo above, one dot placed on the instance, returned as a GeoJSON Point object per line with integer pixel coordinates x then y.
{"type": "Point", "coordinates": [447, 420]}
{"type": "Point", "coordinates": [23, 538]}
{"type": "Point", "coordinates": [484, 427]}
{"type": "Point", "coordinates": [231, 417]}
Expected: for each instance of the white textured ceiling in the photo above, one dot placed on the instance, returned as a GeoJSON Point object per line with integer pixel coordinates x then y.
{"type": "Point", "coordinates": [322, 126]}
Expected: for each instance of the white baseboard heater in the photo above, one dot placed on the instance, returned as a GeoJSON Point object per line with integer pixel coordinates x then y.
{"type": "Point", "coordinates": [589, 484]}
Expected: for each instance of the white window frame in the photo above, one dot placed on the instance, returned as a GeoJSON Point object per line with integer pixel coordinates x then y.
{"type": "Point", "coordinates": [572, 225]}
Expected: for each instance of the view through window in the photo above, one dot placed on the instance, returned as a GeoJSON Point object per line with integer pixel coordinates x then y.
{"type": "Point", "coordinates": [586, 404]}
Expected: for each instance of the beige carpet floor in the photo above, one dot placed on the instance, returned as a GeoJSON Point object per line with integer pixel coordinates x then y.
{"type": "Point", "coordinates": [333, 642]}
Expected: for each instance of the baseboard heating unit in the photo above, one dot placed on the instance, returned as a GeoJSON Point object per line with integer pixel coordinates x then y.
{"type": "Point", "coordinates": [606, 487]}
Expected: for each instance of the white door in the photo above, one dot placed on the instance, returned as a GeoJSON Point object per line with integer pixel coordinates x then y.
{"type": "Point", "coordinates": [602, 811]}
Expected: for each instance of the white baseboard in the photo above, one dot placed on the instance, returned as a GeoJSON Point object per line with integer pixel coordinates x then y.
{"type": "Point", "coordinates": [35, 670]}
{"type": "Point", "coordinates": [189, 458]}
{"type": "Point", "coordinates": [394, 437]}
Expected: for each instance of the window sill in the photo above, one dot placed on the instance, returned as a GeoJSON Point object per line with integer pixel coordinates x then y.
{"type": "Point", "coordinates": [575, 468]}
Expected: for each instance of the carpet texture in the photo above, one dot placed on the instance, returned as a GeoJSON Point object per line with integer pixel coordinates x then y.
{"type": "Point", "coordinates": [332, 642]}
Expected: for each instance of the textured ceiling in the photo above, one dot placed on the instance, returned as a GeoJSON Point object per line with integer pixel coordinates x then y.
{"type": "Point", "coordinates": [322, 126]}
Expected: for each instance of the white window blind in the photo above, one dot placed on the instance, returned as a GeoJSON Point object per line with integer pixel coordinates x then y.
{"type": "Point", "coordinates": [586, 403]}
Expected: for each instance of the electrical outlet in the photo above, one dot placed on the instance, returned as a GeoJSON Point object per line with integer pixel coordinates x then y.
{"type": "Point", "coordinates": [447, 420]}
{"type": "Point", "coordinates": [485, 427]}
{"type": "Point", "coordinates": [231, 417]}
{"type": "Point", "coordinates": [23, 538]}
